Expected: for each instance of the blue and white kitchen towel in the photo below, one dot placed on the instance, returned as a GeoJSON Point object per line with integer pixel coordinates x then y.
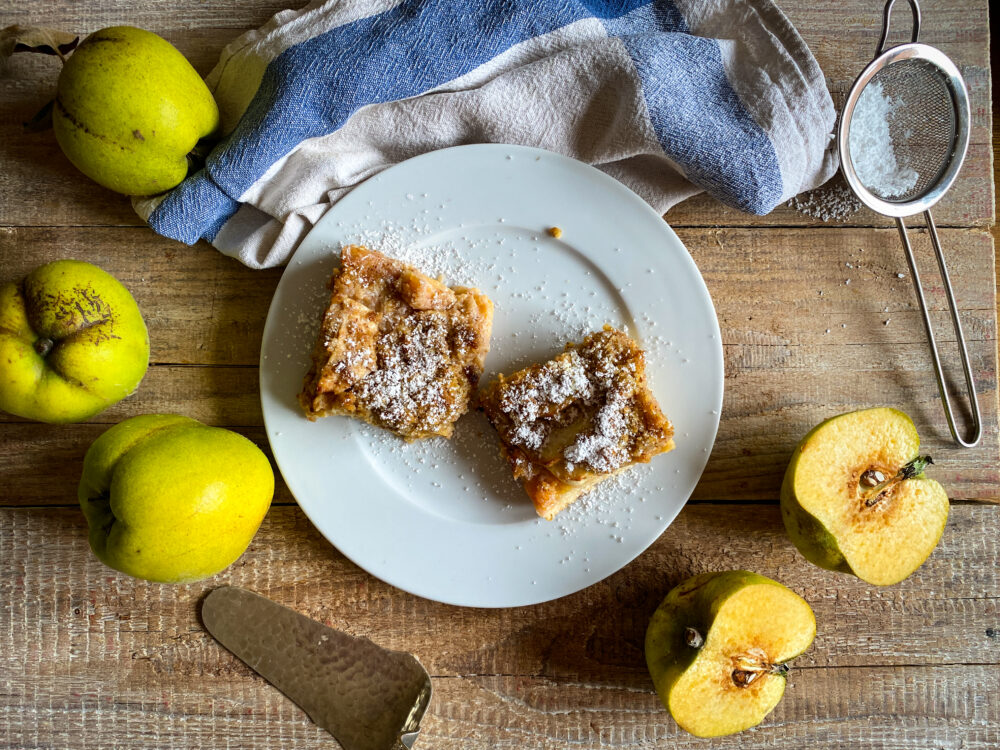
{"type": "Point", "coordinates": [671, 97]}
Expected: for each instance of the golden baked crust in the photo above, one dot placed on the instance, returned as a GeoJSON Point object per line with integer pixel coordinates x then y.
{"type": "Point", "coordinates": [396, 348]}
{"type": "Point", "coordinates": [578, 419]}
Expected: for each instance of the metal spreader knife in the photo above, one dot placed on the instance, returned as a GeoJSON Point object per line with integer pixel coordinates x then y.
{"type": "Point", "coordinates": [367, 697]}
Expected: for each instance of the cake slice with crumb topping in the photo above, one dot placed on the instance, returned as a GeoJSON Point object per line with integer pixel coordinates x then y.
{"type": "Point", "coordinates": [397, 348]}
{"type": "Point", "coordinates": [568, 424]}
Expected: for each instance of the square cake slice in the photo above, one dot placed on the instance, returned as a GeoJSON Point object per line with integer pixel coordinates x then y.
{"type": "Point", "coordinates": [567, 425]}
{"type": "Point", "coordinates": [396, 348]}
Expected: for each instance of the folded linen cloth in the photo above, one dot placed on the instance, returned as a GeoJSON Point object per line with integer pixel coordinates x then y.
{"type": "Point", "coordinates": [671, 97]}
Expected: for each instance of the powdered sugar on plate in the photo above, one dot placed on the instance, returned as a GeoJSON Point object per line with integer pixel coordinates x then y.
{"type": "Point", "coordinates": [445, 519]}
{"type": "Point", "coordinates": [510, 264]}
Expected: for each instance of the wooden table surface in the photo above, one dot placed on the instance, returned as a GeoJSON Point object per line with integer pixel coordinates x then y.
{"type": "Point", "coordinates": [90, 658]}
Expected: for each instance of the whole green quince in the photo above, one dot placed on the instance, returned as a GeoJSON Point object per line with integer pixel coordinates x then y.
{"type": "Point", "coordinates": [170, 499]}
{"type": "Point", "coordinates": [72, 343]}
{"type": "Point", "coordinates": [129, 109]}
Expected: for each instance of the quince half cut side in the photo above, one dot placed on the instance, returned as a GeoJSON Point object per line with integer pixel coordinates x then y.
{"type": "Point", "coordinates": [855, 498]}
{"type": "Point", "coordinates": [717, 649]}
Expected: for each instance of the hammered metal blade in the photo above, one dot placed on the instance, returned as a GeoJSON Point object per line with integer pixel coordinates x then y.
{"type": "Point", "coordinates": [367, 697]}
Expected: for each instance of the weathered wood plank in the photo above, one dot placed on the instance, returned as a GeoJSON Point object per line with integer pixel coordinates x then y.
{"type": "Point", "coordinates": [882, 708]}
{"type": "Point", "coordinates": [760, 427]}
{"type": "Point", "coordinates": [785, 372]}
{"type": "Point", "coordinates": [835, 320]}
{"type": "Point", "coordinates": [762, 421]}
{"type": "Point", "coordinates": [38, 186]}
{"type": "Point", "coordinates": [90, 656]}
{"type": "Point", "coordinates": [939, 615]}
{"type": "Point", "coordinates": [776, 291]}
{"type": "Point", "coordinates": [227, 396]}
{"type": "Point", "coordinates": [903, 707]}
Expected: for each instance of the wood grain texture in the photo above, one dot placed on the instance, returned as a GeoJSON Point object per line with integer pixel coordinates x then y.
{"type": "Point", "coordinates": [881, 708]}
{"type": "Point", "coordinates": [200, 307]}
{"type": "Point", "coordinates": [800, 343]}
{"type": "Point", "coordinates": [776, 291]}
{"type": "Point", "coordinates": [93, 659]}
{"type": "Point", "coordinates": [88, 654]}
{"type": "Point", "coordinates": [38, 186]}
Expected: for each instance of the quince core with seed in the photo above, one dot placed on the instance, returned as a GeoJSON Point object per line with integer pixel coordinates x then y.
{"type": "Point", "coordinates": [855, 497]}
{"type": "Point", "coordinates": [717, 649]}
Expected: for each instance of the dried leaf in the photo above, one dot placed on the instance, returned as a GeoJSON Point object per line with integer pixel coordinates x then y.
{"type": "Point", "coordinates": [42, 119]}
{"type": "Point", "coordinates": [19, 38]}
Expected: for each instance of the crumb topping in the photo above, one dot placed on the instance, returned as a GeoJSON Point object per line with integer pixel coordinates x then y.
{"type": "Point", "coordinates": [397, 348]}
{"type": "Point", "coordinates": [569, 424]}
{"type": "Point", "coordinates": [409, 388]}
{"type": "Point", "coordinates": [546, 391]}
{"type": "Point", "coordinates": [583, 410]}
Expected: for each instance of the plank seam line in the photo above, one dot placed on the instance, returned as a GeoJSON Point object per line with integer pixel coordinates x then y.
{"type": "Point", "coordinates": [603, 686]}
{"type": "Point", "coordinates": [703, 502]}
{"type": "Point", "coordinates": [694, 501]}
{"type": "Point", "coordinates": [979, 228]}
{"type": "Point", "coordinates": [220, 366]}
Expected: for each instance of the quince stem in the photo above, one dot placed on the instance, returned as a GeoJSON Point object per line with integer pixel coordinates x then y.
{"type": "Point", "coordinates": [196, 157]}
{"type": "Point", "coordinates": [693, 638]}
{"type": "Point", "coordinates": [43, 346]}
{"type": "Point", "coordinates": [909, 470]}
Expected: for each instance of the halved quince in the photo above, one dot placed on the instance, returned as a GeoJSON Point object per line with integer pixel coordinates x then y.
{"type": "Point", "coordinates": [717, 645]}
{"type": "Point", "coordinates": [855, 498]}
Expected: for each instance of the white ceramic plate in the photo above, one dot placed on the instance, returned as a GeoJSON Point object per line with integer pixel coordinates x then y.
{"type": "Point", "coordinates": [444, 519]}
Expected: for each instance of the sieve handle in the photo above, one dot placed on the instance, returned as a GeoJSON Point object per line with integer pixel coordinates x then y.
{"type": "Point", "coordinates": [914, 10]}
{"type": "Point", "coordinates": [970, 383]}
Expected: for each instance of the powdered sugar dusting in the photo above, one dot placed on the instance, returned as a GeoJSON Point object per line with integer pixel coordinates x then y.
{"type": "Point", "coordinates": [558, 381]}
{"type": "Point", "coordinates": [588, 396]}
{"type": "Point", "coordinates": [412, 377]}
{"type": "Point", "coordinates": [872, 150]}
{"type": "Point", "coordinates": [611, 503]}
{"type": "Point", "coordinates": [603, 449]}
{"type": "Point", "coordinates": [830, 202]}
{"type": "Point", "coordinates": [512, 265]}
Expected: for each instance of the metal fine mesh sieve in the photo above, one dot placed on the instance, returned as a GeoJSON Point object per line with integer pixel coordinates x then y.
{"type": "Point", "coordinates": [921, 123]}
{"type": "Point", "coordinates": [902, 138]}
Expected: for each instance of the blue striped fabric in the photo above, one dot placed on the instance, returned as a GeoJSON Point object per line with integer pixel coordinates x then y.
{"type": "Point", "coordinates": [314, 87]}
{"type": "Point", "coordinates": [691, 105]}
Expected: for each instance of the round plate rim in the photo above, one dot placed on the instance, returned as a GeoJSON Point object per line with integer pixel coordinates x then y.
{"type": "Point", "coordinates": [608, 183]}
